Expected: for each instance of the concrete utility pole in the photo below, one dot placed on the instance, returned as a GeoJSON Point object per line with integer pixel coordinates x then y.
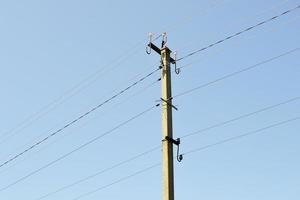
{"type": "Point", "coordinates": [167, 124]}
{"type": "Point", "coordinates": [167, 127]}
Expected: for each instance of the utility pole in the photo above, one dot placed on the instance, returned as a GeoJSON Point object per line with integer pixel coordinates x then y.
{"type": "Point", "coordinates": [167, 122]}
{"type": "Point", "coordinates": [167, 127]}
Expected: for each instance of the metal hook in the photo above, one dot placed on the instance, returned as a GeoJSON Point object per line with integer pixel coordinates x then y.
{"type": "Point", "coordinates": [179, 156]}
{"type": "Point", "coordinates": [177, 143]}
{"type": "Point", "coordinates": [148, 47]}
{"type": "Point", "coordinates": [177, 70]}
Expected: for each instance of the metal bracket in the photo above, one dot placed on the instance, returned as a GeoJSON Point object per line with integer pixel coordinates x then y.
{"type": "Point", "coordinates": [168, 102]}
{"type": "Point", "coordinates": [158, 50]}
{"type": "Point", "coordinates": [177, 143]}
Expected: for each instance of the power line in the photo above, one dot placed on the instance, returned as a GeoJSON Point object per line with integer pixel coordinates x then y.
{"type": "Point", "coordinates": [117, 181]}
{"type": "Point", "coordinates": [242, 117]}
{"type": "Point", "coordinates": [238, 33]}
{"type": "Point", "coordinates": [67, 95]}
{"type": "Point", "coordinates": [78, 148]}
{"type": "Point", "coordinates": [113, 107]}
{"type": "Point", "coordinates": [99, 172]}
{"type": "Point", "coordinates": [158, 147]}
{"type": "Point", "coordinates": [115, 90]}
{"type": "Point", "coordinates": [144, 89]}
{"type": "Point", "coordinates": [235, 73]}
{"type": "Point", "coordinates": [187, 153]}
{"type": "Point", "coordinates": [277, 28]}
{"type": "Point", "coordinates": [242, 135]}
{"type": "Point", "coordinates": [72, 91]}
{"type": "Point", "coordinates": [79, 118]}
{"type": "Point", "coordinates": [190, 152]}
{"type": "Point", "coordinates": [155, 148]}
{"type": "Point", "coordinates": [194, 151]}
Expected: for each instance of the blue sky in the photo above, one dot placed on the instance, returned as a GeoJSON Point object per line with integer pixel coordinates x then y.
{"type": "Point", "coordinates": [59, 59]}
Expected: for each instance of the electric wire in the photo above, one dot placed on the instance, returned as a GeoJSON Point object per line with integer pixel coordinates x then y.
{"type": "Point", "coordinates": [99, 172]}
{"type": "Point", "coordinates": [144, 89]}
{"type": "Point", "coordinates": [188, 135]}
{"type": "Point", "coordinates": [242, 135]}
{"type": "Point", "coordinates": [72, 92]}
{"type": "Point", "coordinates": [276, 17]}
{"type": "Point", "coordinates": [235, 73]}
{"type": "Point", "coordinates": [243, 116]}
{"type": "Point", "coordinates": [78, 148]}
{"type": "Point", "coordinates": [264, 109]}
{"type": "Point", "coordinates": [117, 181]}
{"type": "Point", "coordinates": [188, 153]}
{"type": "Point", "coordinates": [276, 8]}
{"type": "Point", "coordinates": [99, 100]}
{"type": "Point", "coordinates": [237, 43]}
{"type": "Point", "coordinates": [79, 118]}
{"type": "Point", "coordinates": [84, 83]}
{"type": "Point", "coordinates": [215, 143]}
{"type": "Point", "coordinates": [238, 33]}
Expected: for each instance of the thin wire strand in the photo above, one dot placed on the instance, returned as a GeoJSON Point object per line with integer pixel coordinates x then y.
{"type": "Point", "coordinates": [79, 118]}
{"type": "Point", "coordinates": [99, 172]}
{"type": "Point", "coordinates": [77, 149]}
{"type": "Point", "coordinates": [264, 109]}
{"type": "Point", "coordinates": [238, 33]}
{"type": "Point", "coordinates": [242, 135]}
{"type": "Point", "coordinates": [235, 73]}
{"type": "Point", "coordinates": [117, 181]}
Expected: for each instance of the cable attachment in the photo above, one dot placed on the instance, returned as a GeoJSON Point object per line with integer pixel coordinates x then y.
{"type": "Point", "coordinates": [148, 47]}
{"type": "Point", "coordinates": [164, 39]}
{"type": "Point", "coordinates": [169, 103]}
{"type": "Point", "coordinates": [177, 143]}
{"type": "Point", "coordinates": [177, 69]}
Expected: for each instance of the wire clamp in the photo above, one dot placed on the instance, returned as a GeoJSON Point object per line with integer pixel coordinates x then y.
{"type": "Point", "coordinates": [177, 143]}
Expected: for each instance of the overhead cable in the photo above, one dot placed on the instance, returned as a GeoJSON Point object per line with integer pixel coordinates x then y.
{"type": "Point", "coordinates": [78, 118]}
{"type": "Point", "coordinates": [99, 173]}
{"type": "Point", "coordinates": [77, 149]}
{"type": "Point", "coordinates": [242, 135]}
{"type": "Point", "coordinates": [267, 108]}
{"type": "Point", "coordinates": [235, 73]}
{"type": "Point", "coordinates": [237, 34]}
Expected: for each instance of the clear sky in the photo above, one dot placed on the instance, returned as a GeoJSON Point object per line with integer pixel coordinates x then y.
{"type": "Point", "coordinates": [59, 59]}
